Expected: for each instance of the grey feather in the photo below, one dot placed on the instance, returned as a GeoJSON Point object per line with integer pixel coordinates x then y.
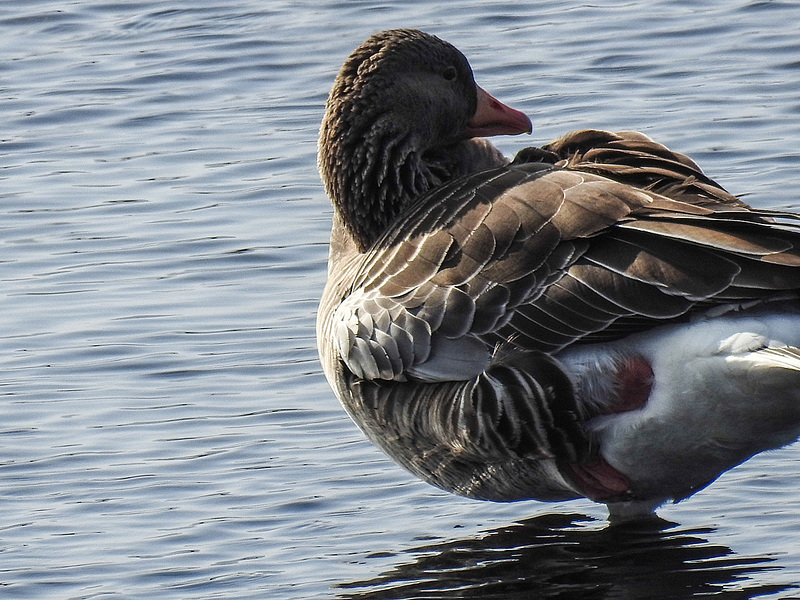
{"type": "Point", "coordinates": [442, 251]}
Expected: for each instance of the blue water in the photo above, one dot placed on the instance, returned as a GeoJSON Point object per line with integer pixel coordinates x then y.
{"type": "Point", "coordinates": [165, 430]}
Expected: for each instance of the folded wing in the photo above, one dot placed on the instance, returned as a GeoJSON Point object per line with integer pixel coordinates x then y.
{"type": "Point", "coordinates": [568, 244]}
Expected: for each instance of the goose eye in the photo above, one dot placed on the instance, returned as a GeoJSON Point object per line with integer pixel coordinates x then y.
{"type": "Point", "coordinates": [449, 74]}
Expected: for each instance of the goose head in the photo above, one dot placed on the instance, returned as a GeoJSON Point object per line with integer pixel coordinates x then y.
{"type": "Point", "coordinates": [402, 104]}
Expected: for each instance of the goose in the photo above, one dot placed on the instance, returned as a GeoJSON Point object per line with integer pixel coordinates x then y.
{"type": "Point", "coordinates": [596, 318]}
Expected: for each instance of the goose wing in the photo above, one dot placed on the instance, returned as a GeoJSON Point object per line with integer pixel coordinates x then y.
{"type": "Point", "coordinates": [635, 159]}
{"type": "Point", "coordinates": [559, 247]}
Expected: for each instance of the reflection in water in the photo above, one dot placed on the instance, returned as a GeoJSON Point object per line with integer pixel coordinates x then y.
{"type": "Point", "coordinates": [565, 556]}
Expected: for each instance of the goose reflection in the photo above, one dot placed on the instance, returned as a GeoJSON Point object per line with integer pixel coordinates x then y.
{"type": "Point", "coordinates": [568, 556]}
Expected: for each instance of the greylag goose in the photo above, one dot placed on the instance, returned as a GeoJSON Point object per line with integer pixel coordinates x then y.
{"type": "Point", "coordinates": [596, 318]}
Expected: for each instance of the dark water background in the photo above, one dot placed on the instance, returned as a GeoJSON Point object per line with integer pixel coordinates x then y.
{"type": "Point", "coordinates": [165, 430]}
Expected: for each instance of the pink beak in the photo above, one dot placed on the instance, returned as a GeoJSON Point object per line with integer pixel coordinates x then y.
{"type": "Point", "coordinates": [492, 117]}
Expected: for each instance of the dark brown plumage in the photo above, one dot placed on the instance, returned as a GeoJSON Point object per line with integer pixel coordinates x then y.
{"type": "Point", "coordinates": [444, 252]}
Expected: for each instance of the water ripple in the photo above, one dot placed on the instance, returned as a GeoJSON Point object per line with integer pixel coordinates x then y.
{"type": "Point", "coordinates": [166, 430]}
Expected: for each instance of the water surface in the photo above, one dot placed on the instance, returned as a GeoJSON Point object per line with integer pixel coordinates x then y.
{"type": "Point", "coordinates": [166, 430]}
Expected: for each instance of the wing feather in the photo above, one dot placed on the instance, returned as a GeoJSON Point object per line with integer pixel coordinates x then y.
{"type": "Point", "coordinates": [584, 248]}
